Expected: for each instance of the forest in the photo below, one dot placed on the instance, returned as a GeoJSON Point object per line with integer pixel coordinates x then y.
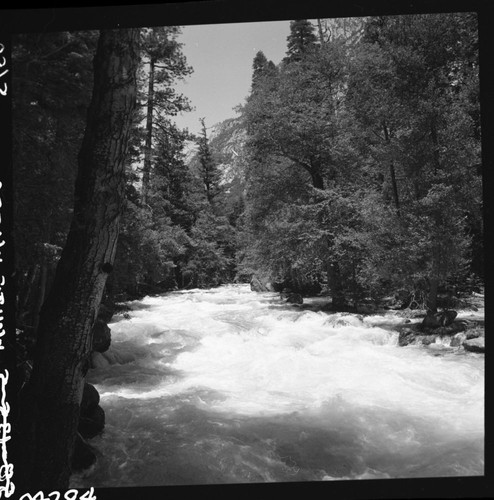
{"type": "Point", "coordinates": [353, 170]}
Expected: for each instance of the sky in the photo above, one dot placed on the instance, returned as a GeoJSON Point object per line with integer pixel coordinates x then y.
{"type": "Point", "coordinates": [221, 56]}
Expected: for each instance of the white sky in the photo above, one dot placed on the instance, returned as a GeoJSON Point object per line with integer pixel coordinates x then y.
{"type": "Point", "coordinates": [222, 56]}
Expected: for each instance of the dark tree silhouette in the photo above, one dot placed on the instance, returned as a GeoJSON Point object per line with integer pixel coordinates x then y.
{"type": "Point", "coordinates": [50, 402]}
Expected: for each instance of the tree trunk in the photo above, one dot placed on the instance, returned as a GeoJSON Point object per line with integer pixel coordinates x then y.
{"type": "Point", "coordinates": [336, 286]}
{"type": "Point", "coordinates": [320, 32]}
{"type": "Point", "coordinates": [25, 288]}
{"type": "Point", "coordinates": [394, 185]}
{"type": "Point", "coordinates": [149, 134]}
{"type": "Point", "coordinates": [435, 142]}
{"type": "Point", "coordinates": [432, 297]}
{"type": "Point", "coordinates": [317, 179]}
{"type": "Point", "coordinates": [50, 403]}
{"type": "Point", "coordinates": [43, 279]}
{"type": "Point", "coordinates": [392, 173]}
{"type": "Point", "coordinates": [179, 278]}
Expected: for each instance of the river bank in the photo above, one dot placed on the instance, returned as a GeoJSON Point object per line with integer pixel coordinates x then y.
{"type": "Point", "coordinates": [466, 332]}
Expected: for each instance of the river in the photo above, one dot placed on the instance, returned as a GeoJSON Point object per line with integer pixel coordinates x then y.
{"type": "Point", "coordinates": [231, 386]}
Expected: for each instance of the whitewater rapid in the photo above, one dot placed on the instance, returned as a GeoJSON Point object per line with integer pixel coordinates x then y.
{"type": "Point", "coordinates": [232, 386]}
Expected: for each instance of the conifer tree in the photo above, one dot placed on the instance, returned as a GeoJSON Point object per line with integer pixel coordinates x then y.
{"type": "Point", "coordinates": [301, 40]}
{"type": "Point", "coordinates": [209, 173]}
{"type": "Point", "coordinates": [165, 63]}
{"type": "Point", "coordinates": [52, 78]}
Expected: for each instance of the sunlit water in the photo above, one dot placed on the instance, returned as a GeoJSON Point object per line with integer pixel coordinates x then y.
{"type": "Point", "coordinates": [232, 386]}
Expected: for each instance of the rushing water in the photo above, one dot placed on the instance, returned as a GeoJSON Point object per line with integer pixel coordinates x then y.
{"type": "Point", "coordinates": [232, 386]}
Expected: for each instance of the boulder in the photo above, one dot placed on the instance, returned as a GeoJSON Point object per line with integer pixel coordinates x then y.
{"type": "Point", "coordinates": [417, 334]}
{"type": "Point", "coordinates": [408, 336]}
{"type": "Point", "coordinates": [347, 320]}
{"type": "Point", "coordinates": [98, 361]}
{"type": "Point", "coordinates": [473, 334]}
{"type": "Point", "coordinates": [84, 455]}
{"type": "Point", "coordinates": [413, 335]}
{"type": "Point", "coordinates": [101, 336]}
{"type": "Point", "coordinates": [105, 313]}
{"type": "Point", "coordinates": [93, 423]}
{"type": "Point", "coordinates": [475, 345]}
{"type": "Point", "coordinates": [438, 319]}
{"type": "Point", "coordinates": [454, 328]}
{"type": "Point", "coordinates": [432, 320]}
{"type": "Point", "coordinates": [458, 339]}
{"type": "Point", "coordinates": [90, 398]}
{"type": "Point", "coordinates": [448, 317]}
{"type": "Point", "coordinates": [259, 285]}
{"type": "Point", "coordinates": [115, 357]}
{"type": "Point", "coordinates": [294, 298]}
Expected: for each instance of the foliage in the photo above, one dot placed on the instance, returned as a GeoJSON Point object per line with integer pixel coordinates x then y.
{"type": "Point", "coordinates": [52, 77]}
{"type": "Point", "coordinates": [385, 122]}
{"type": "Point", "coordinates": [300, 41]}
{"type": "Point", "coordinates": [355, 162]}
{"type": "Point", "coordinates": [210, 260]}
{"type": "Point", "coordinates": [209, 174]}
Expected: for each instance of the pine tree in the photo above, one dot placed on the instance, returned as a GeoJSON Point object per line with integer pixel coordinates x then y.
{"type": "Point", "coordinates": [165, 63]}
{"type": "Point", "coordinates": [301, 40]}
{"type": "Point", "coordinates": [258, 65]}
{"type": "Point", "coordinates": [296, 152]}
{"type": "Point", "coordinates": [414, 91]}
{"type": "Point", "coordinates": [210, 175]}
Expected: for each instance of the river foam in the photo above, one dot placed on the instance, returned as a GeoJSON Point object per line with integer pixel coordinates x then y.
{"type": "Point", "coordinates": [228, 385]}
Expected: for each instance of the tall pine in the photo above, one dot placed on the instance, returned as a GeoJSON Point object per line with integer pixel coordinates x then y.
{"type": "Point", "coordinates": [301, 40]}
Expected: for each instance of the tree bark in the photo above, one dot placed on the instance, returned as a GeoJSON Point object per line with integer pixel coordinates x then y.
{"type": "Point", "coordinates": [317, 179]}
{"type": "Point", "coordinates": [25, 288]}
{"type": "Point", "coordinates": [392, 173]}
{"type": "Point", "coordinates": [50, 403]}
{"type": "Point", "coordinates": [432, 297]}
{"type": "Point", "coordinates": [320, 31]}
{"type": "Point", "coordinates": [149, 133]}
{"type": "Point", "coordinates": [335, 284]}
{"type": "Point", "coordinates": [394, 185]}
{"type": "Point", "coordinates": [43, 279]}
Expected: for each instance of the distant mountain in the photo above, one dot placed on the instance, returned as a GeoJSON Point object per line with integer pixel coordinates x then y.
{"type": "Point", "coordinates": [226, 140]}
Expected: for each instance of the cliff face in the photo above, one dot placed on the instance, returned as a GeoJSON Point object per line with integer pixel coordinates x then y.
{"type": "Point", "coordinates": [226, 140]}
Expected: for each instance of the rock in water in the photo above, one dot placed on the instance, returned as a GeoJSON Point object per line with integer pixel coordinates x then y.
{"type": "Point", "coordinates": [259, 285]}
{"type": "Point", "coordinates": [294, 298]}
{"type": "Point", "coordinates": [90, 399]}
{"type": "Point", "coordinates": [84, 455]}
{"type": "Point", "coordinates": [98, 360]}
{"type": "Point", "coordinates": [458, 339]}
{"type": "Point", "coordinates": [92, 423]}
{"type": "Point", "coordinates": [335, 321]}
{"type": "Point", "coordinates": [426, 336]}
{"type": "Point", "coordinates": [115, 357]}
{"type": "Point", "coordinates": [473, 334]}
{"type": "Point", "coordinates": [448, 317]}
{"type": "Point", "coordinates": [475, 345]}
{"type": "Point", "coordinates": [408, 336]}
{"type": "Point", "coordinates": [101, 336]}
{"type": "Point", "coordinates": [438, 319]}
{"type": "Point", "coordinates": [105, 313]}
